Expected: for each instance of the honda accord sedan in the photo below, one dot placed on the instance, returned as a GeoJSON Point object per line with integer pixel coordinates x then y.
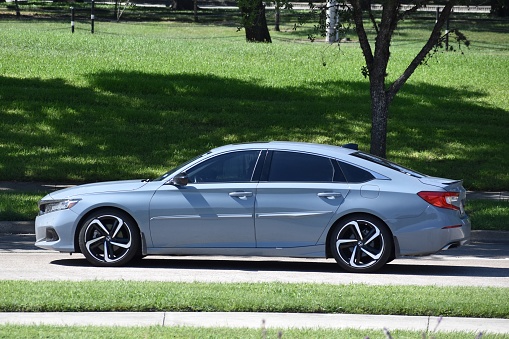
{"type": "Point", "coordinates": [284, 199]}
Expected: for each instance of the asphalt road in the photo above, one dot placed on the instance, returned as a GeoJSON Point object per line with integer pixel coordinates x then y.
{"type": "Point", "coordinates": [479, 264]}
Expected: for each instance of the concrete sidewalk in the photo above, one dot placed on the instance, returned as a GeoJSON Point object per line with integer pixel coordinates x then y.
{"type": "Point", "coordinates": [257, 320]}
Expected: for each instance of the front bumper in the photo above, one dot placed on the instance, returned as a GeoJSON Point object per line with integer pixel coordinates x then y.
{"type": "Point", "coordinates": [63, 224]}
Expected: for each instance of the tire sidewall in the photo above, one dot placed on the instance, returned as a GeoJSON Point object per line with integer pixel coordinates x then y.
{"type": "Point", "coordinates": [133, 229]}
{"type": "Point", "coordinates": [387, 240]}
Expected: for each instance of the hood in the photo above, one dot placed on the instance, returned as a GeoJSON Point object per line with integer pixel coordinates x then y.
{"type": "Point", "coordinates": [100, 187]}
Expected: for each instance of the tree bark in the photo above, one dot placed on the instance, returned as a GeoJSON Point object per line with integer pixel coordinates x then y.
{"type": "Point", "coordinates": [255, 22]}
{"type": "Point", "coordinates": [379, 118]}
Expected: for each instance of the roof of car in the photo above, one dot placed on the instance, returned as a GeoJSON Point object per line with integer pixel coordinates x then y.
{"type": "Point", "coordinates": [288, 145]}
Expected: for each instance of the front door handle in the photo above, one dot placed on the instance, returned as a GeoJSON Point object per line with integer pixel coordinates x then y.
{"type": "Point", "coordinates": [329, 195]}
{"type": "Point", "coordinates": [241, 195]}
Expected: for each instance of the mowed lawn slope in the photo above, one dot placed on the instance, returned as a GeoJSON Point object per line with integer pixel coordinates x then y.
{"type": "Point", "coordinates": [135, 99]}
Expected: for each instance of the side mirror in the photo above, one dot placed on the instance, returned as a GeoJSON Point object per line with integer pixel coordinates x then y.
{"type": "Point", "coordinates": [180, 179]}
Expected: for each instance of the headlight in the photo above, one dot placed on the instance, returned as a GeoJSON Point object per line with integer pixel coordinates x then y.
{"type": "Point", "coordinates": [46, 206]}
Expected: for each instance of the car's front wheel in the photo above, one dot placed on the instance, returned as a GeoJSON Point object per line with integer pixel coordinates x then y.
{"type": "Point", "coordinates": [109, 238]}
{"type": "Point", "coordinates": [361, 243]}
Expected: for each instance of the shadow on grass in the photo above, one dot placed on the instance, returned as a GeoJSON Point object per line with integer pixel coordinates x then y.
{"type": "Point", "coordinates": [131, 125]}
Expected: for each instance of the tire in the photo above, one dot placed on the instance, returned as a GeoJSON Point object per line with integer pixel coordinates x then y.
{"type": "Point", "coordinates": [109, 238]}
{"type": "Point", "coordinates": [361, 244]}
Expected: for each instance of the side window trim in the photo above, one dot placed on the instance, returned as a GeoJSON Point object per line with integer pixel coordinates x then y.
{"type": "Point", "coordinates": [339, 175]}
{"type": "Point", "coordinates": [259, 166]}
{"type": "Point", "coordinates": [264, 175]}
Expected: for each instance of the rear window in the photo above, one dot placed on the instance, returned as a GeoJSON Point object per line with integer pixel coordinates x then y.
{"type": "Point", "coordinates": [354, 174]}
{"type": "Point", "coordinates": [387, 163]}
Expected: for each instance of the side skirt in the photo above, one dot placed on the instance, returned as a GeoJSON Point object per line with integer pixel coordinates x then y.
{"type": "Point", "coordinates": [316, 251]}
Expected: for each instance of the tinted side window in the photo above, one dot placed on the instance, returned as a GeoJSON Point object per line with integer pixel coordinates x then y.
{"type": "Point", "coordinates": [355, 174]}
{"type": "Point", "coordinates": [290, 166]}
{"type": "Point", "coordinates": [230, 167]}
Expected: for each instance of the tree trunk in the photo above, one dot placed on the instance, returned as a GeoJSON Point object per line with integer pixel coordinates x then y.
{"type": "Point", "coordinates": [18, 13]}
{"type": "Point", "coordinates": [183, 5]}
{"type": "Point", "coordinates": [277, 18]}
{"type": "Point", "coordinates": [379, 116]}
{"type": "Point", "coordinates": [255, 23]}
{"type": "Point", "coordinates": [500, 8]}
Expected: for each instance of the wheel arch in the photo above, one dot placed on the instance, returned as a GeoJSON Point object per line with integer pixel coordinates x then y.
{"type": "Point", "coordinates": [85, 216]}
{"type": "Point", "coordinates": [328, 253]}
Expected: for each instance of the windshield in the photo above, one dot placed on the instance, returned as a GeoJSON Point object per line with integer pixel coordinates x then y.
{"type": "Point", "coordinates": [177, 169]}
{"type": "Point", "coordinates": [387, 163]}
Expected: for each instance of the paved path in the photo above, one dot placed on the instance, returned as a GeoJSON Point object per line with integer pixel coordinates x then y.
{"type": "Point", "coordinates": [259, 320]}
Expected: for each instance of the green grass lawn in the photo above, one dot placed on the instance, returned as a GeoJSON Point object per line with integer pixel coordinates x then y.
{"type": "Point", "coordinates": [147, 296]}
{"type": "Point", "coordinates": [135, 99]}
{"type": "Point", "coordinates": [489, 215]}
{"type": "Point", "coordinates": [11, 331]}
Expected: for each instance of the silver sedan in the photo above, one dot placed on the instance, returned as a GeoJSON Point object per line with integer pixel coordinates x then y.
{"type": "Point", "coordinates": [262, 199]}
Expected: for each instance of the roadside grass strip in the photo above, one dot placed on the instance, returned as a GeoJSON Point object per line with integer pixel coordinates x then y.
{"type": "Point", "coordinates": [122, 296]}
{"type": "Point", "coordinates": [92, 332]}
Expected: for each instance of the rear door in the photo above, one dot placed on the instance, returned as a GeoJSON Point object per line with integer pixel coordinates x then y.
{"type": "Point", "coordinates": [296, 199]}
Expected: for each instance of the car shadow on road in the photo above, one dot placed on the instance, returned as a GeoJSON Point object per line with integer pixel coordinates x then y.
{"type": "Point", "coordinates": [285, 267]}
{"type": "Point", "coordinates": [444, 271]}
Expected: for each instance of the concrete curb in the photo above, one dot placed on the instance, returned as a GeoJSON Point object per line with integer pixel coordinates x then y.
{"type": "Point", "coordinates": [260, 320]}
{"type": "Point", "coordinates": [17, 227]}
{"type": "Point", "coordinates": [28, 227]}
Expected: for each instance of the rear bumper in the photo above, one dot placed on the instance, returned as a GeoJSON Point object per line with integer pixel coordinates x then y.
{"type": "Point", "coordinates": [430, 235]}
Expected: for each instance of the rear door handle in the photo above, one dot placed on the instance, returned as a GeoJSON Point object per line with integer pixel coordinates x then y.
{"type": "Point", "coordinates": [329, 195]}
{"type": "Point", "coordinates": [240, 195]}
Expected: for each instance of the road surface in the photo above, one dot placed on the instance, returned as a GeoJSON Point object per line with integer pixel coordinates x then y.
{"type": "Point", "coordinates": [479, 264]}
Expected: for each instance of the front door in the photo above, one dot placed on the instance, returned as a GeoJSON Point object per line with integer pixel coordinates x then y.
{"type": "Point", "coordinates": [216, 208]}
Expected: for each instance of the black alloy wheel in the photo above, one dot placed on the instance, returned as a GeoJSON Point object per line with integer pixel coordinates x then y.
{"type": "Point", "coordinates": [109, 238]}
{"type": "Point", "coordinates": [361, 244]}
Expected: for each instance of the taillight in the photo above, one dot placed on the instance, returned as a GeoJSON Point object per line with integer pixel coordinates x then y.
{"type": "Point", "coordinates": [441, 199]}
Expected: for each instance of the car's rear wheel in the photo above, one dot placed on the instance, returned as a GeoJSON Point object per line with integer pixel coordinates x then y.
{"type": "Point", "coordinates": [109, 238]}
{"type": "Point", "coordinates": [361, 243]}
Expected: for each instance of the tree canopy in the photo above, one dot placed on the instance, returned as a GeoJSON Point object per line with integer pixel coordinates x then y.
{"type": "Point", "coordinates": [377, 52]}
